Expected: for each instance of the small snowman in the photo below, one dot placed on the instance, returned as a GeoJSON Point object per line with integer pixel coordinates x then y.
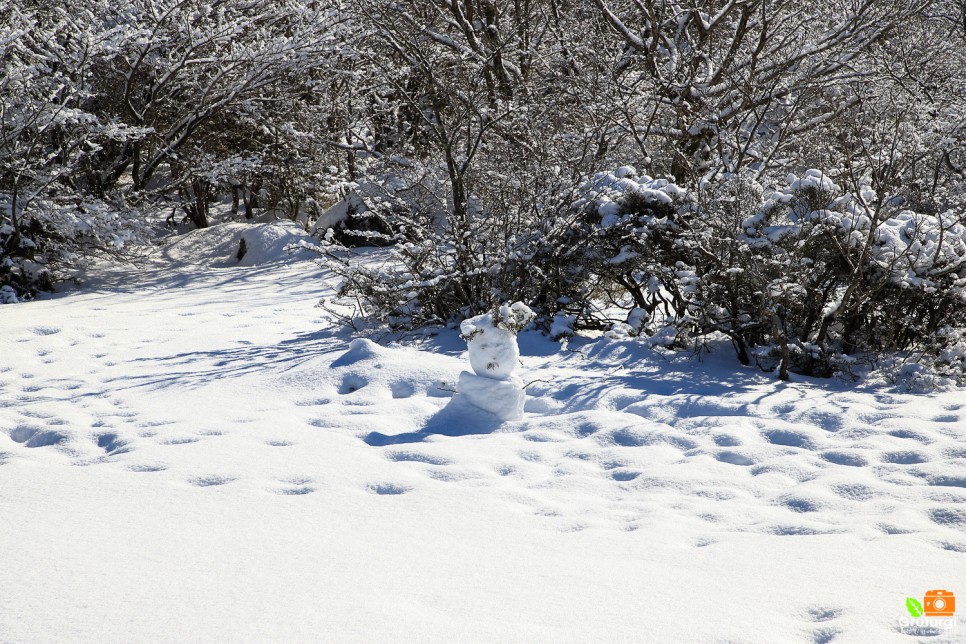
{"type": "Point", "coordinates": [494, 355]}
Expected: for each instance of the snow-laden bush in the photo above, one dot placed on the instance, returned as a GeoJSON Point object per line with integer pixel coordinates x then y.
{"type": "Point", "coordinates": [51, 236]}
{"type": "Point", "coordinates": [796, 276]}
{"type": "Point", "coordinates": [801, 277]}
{"type": "Point", "coordinates": [440, 268]}
{"type": "Point", "coordinates": [613, 245]}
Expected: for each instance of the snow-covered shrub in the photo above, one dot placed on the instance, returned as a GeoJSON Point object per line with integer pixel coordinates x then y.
{"type": "Point", "coordinates": [797, 277]}
{"type": "Point", "coordinates": [23, 262]}
{"type": "Point", "coordinates": [440, 267]}
{"type": "Point", "coordinates": [51, 236]}
{"type": "Point", "coordinates": [612, 244]}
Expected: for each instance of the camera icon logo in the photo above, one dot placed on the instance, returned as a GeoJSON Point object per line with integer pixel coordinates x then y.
{"type": "Point", "coordinates": [939, 603]}
{"type": "Point", "coordinates": [936, 603]}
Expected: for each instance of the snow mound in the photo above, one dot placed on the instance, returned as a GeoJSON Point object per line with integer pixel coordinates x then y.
{"type": "Point", "coordinates": [221, 246]}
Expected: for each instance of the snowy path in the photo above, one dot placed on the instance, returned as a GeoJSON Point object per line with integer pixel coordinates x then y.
{"type": "Point", "coordinates": [195, 454]}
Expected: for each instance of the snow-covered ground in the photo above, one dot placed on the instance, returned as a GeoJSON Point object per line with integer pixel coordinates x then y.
{"type": "Point", "coordinates": [192, 451]}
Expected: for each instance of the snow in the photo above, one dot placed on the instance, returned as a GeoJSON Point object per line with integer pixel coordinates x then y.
{"type": "Point", "coordinates": [191, 450]}
{"type": "Point", "coordinates": [218, 246]}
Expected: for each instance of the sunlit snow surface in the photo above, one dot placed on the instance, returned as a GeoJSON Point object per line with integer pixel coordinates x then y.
{"type": "Point", "coordinates": [192, 451]}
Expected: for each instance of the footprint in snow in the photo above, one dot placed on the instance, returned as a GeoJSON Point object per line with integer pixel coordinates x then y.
{"type": "Point", "coordinates": [210, 481]}
{"type": "Point", "coordinates": [279, 443]}
{"type": "Point", "coordinates": [854, 491]}
{"type": "Point", "coordinates": [789, 439]}
{"type": "Point", "coordinates": [947, 481]}
{"type": "Point", "coordinates": [31, 436]}
{"type": "Point", "coordinates": [825, 635]}
{"type": "Point", "coordinates": [797, 504]}
{"type": "Point", "coordinates": [313, 403]}
{"type": "Point", "coordinates": [845, 458]}
{"type": "Point", "coordinates": [402, 389]}
{"type": "Point", "coordinates": [296, 491]}
{"type": "Point", "coordinates": [387, 488]}
{"type": "Point", "coordinates": [296, 486]}
{"type": "Point", "coordinates": [624, 475]}
{"type": "Point", "coordinates": [951, 517]}
{"type": "Point", "coordinates": [147, 467]}
{"type": "Point", "coordinates": [179, 441]}
{"type": "Point", "coordinates": [911, 435]}
{"type": "Point", "coordinates": [824, 613]}
{"type": "Point", "coordinates": [903, 458]}
{"type": "Point", "coordinates": [352, 383]}
{"type": "Point", "coordinates": [726, 440]}
{"type": "Point", "coordinates": [417, 458]}
{"type": "Point", "coordinates": [111, 444]}
{"type": "Point", "coordinates": [893, 529]}
{"type": "Point", "coordinates": [734, 458]}
{"type": "Point", "coordinates": [794, 530]}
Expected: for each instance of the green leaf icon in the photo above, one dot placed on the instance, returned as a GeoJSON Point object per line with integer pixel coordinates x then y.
{"type": "Point", "coordinates": [914, 607]}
